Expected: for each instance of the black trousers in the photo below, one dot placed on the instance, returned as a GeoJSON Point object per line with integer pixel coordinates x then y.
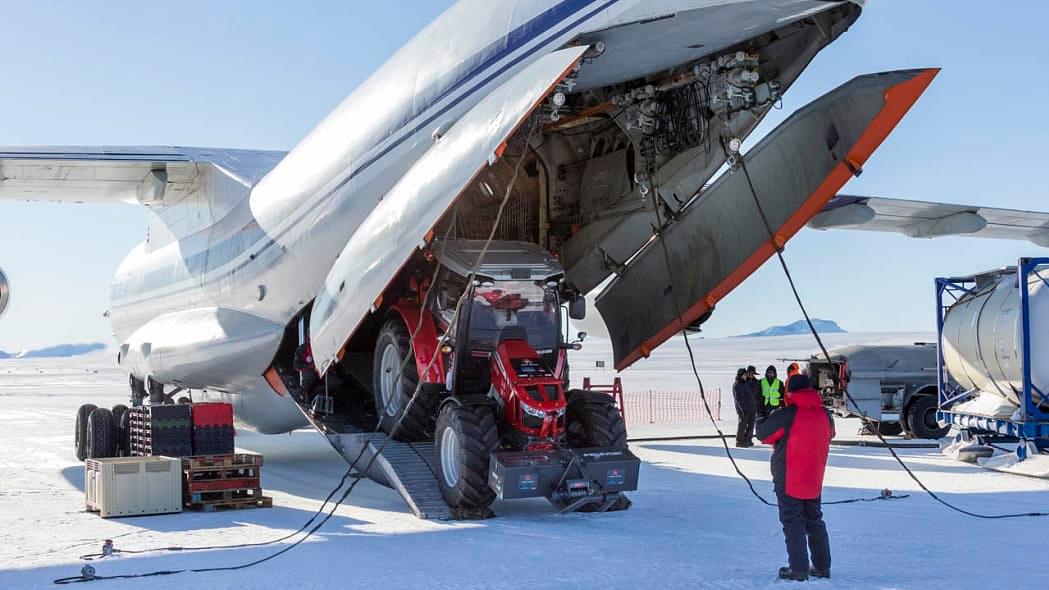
{"type": "Point", "coordinates": [745, 429]}
{"type": "Point", "coordinates": [804, 532]}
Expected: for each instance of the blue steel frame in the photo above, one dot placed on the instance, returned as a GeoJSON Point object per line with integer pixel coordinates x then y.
{"type": "Point", "coordinates": [1033, 423]}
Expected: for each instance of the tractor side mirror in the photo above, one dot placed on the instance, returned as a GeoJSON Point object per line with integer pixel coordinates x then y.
{"type": "Point", "coordinates": [577, 308]}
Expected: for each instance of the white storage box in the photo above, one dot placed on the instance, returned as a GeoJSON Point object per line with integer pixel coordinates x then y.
{"type": "Point", "coordinates": [132, 486]}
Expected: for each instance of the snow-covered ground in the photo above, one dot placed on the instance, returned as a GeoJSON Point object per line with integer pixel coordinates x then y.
{"type": "Point", "coordinates": [693, 525]}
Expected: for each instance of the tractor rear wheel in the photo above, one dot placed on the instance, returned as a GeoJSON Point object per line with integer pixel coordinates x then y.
{"type": "Point", "coordinates": [80, 435]}
{"type": "Point", "coordinates": [466, 437]}
{"type": "Point", "coordinates": [593, 421]}
{"type": "Point", "coordinates": [395, 380]}
{"type": "Point", "coordinates": [101, 434]}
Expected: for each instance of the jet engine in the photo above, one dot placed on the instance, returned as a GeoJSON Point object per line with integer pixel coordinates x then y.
{"type": "Point", "coordinates": [5, 292]}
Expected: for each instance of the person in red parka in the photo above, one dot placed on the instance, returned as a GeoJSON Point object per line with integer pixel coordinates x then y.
{"type": "Point", "coordinates": [801, 433]}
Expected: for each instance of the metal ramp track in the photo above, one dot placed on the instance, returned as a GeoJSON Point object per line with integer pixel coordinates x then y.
{"type": "Point", "coordinates": [409, 468]}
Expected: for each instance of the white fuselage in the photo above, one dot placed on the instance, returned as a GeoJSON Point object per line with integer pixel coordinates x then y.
{"type": "Point", "coordinates": [265, 253]}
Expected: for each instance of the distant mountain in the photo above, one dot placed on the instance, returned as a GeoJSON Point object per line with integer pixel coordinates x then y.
{"type": "Point", "coordinates": [798, 327]}
{"type": "Point", "coordinates": [60, 351]}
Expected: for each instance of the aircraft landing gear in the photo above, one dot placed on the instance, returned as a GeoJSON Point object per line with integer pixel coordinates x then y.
{"type": "Point", "coordinates": [138, 391]}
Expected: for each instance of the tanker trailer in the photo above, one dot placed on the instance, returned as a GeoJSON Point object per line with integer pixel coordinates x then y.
{"type": "Point", "coordinates": [993, 334]}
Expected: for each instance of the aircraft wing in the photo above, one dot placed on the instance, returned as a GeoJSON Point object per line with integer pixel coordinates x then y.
{"type": "Point", "coordinates": [922, 219]}
{"type": "Point", "coordinates": [144, 175]}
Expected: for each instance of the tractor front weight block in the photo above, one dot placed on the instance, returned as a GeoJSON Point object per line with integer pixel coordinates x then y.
{"type": "Point", "coordinates": [571, 479]}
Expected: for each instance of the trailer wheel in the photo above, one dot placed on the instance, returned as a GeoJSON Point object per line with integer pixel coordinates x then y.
{"type": "Point", "coordinates": [101, 434]}
{"type": "Point", "coordinates": [395, 382]}
{"type": "Point", "coordinates": [80, 435]}
{"type": "Point", "coordinates": [890, 428]}
{"type": "Point", "coordinates": [921, 418]}
{"type": "Point", "coordinates": [591, 421]}
{"type": "Point", "coordinates": [466, 437]}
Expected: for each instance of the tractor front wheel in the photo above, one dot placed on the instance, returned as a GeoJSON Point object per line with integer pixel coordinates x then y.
{"type": "Point", "coordinates": [591, 420]}
{"type": "Point", "coordinates": [465, 439]}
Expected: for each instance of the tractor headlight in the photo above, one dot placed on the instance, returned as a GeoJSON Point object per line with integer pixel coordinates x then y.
{"type": "Point", "coordinates": [535, 412]}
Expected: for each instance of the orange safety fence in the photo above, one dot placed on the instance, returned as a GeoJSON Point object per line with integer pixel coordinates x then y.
{"type": "Point", "coordinates": [660, 407]}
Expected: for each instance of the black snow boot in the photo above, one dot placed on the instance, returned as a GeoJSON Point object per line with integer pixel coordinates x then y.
{"type": "Point", "coordinates": [785, 573]}
{"type": "Point", "coordinates": [818, 573]}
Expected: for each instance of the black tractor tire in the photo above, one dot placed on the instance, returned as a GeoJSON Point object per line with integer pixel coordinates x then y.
{"type": "Point", "coordinates": [921, 418]}
{"type": "Point", "coordinates": [184, 401]}
{"type": "Point", "coordinates": [118, 410]}
{"type": "Point", "coordinates": [101, 434]}
{"type": "Point", "coordinates": [890, 428]}
{"type": "Point", "coordinates": [124, 434]}
{"type": "Point", "coordinates": [80, 435]}
{"type": "Point", "coordinates": [466, 437]}
{"type": "Point", "coordinates": [592, 421]}
{"type": "Point", "coordinates": [394, 383]}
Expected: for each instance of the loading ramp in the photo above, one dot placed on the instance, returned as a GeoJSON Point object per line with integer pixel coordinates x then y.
{"type": "Point", "coordinates": [408, 468]}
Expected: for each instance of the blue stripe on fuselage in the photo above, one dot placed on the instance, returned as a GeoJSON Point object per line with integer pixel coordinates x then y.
{"type": "Point", "coordinates": [495, 52]}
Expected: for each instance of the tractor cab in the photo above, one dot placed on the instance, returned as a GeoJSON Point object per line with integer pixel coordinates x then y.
{"type": "Point", "coordinates": [508, 340]}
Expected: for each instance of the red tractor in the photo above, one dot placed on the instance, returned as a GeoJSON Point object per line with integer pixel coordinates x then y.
{"type": "Point", "coordinates": [494, 389]}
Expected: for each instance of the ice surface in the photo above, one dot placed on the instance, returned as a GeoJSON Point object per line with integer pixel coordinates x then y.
{"type": "Point", "coordinates": [693, 524]}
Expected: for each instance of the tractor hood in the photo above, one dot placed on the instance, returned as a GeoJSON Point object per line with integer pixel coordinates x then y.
{"type": "Point", "coordinates": [719, 239]}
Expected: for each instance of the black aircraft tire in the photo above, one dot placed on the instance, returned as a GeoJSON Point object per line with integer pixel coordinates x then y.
{"type": "Point", "coordinates": [593, 423]}
{"type": "Point", "coordinates": [921, 417]}
{"type": "Point", "coordinates": [80, 434]}
{"type": "Point", "coordinates": [124, 434]}
{"type": "Point", "coordinates": [465, 439]}
{"type": "Point", "coordinates": [392, 347]}
{"type": "Point", "coordinates": [101, 434]}
{"type": "Point", "coordinates": [890, 428]}
{"type": "Point", "coordinates": [118, 413]}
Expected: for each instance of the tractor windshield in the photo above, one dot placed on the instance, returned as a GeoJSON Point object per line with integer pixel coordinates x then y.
{"type": "Point", "coordinates": [515, 309]}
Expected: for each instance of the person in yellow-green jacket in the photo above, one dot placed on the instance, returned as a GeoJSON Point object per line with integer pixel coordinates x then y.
{"type": "Point", "coordinates": [771, 393]}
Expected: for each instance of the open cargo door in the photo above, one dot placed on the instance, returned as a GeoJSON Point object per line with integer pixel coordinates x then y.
{"type": "Point", "coordinates": [719, 239]}
{"type": "Point", "coordinates": [400, 223]}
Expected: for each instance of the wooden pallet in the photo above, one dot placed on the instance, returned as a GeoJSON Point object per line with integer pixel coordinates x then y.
{"type": "Point", "coordinates": [213, 473]}
{"type": "Point", "coordinates": [229, 499]}
{"type": "Point", "coordinates": [211, 462]}
{"type": "Point", "coordinates": [219, 484]}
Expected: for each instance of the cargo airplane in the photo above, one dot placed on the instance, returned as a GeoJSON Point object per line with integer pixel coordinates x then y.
{"type": "Point", "coordinates": [325, 285]}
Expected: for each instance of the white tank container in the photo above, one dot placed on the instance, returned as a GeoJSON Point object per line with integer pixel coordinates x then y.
{"type": "Point", "coordinates": [983, 338]}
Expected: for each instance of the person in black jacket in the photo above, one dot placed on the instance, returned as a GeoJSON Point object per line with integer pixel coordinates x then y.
{"type": "Point", "coordinates": [801, 431]}
{"type": "Point", "coordinates": [746, 409]}
{"type": "Point", "coordinates": [755, 391]}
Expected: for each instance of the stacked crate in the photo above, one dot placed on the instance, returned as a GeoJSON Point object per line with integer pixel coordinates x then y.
{"type": "Point", "coordinates": [212, 429]}
{"type": "Point", "coordinates": [223, 481]}
{"type": "Point", "coordinates": [161, 430]}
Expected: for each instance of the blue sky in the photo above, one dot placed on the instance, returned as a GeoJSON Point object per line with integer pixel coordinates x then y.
{"type": "Point", "coordinates": [262, 74]}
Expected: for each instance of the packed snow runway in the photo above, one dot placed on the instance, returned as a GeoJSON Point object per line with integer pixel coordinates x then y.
{"type": "Point", "coordinates": [694, 524]}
